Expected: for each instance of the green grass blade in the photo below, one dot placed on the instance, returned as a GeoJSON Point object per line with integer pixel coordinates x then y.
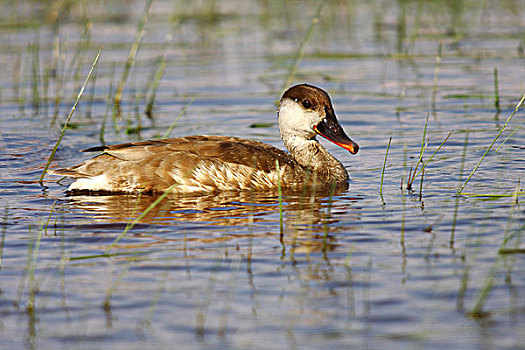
{"type": "Point", "coordinates": [494, 195]}
{"type": "Point", "coordinates": [144, 213]}
{"type": "Point", "coordinates": [410, 180]}
{"type": "Point", "coordinates": [496, 89]}
{"type": "Point", "coordinates": [460, 178]}
{"type": "Point", "coordinates": [433, 154]}
{"type": "Point", "coordinates": [281, 222]}
{"type": "Point", "coordinates": [300, 51]}
{"type": "Point", "coordinates": [2, 240]}
{"type": "Point", "coordinates": [384, 166]}
{"type": "Point", "coordinates": [436, 73]}
{"type": "Point", "coordinates": [508, 137]}
{"type": "Point", "coordinates": [158, 75]}
{"type": "Point", "coordinates": [131, 57]}
{"type": "Point", "coordinates": [172, 126]}
{"type": "Point", "coordinates": [492, 144]}
{"type": "Point", "coordinates": [35, 74]}
{"type": "Point", "coordinates": [52, 155]}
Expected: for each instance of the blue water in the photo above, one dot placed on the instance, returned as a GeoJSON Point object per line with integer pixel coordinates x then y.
{"type": "Point", "coordinates": [352, 270]}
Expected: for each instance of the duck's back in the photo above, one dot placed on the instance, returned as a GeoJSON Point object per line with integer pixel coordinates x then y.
{"type": "Point", "coordinates": [194, 164]}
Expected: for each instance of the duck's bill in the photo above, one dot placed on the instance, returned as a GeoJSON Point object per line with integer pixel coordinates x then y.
{"type": "Point", "coordinates": [330, 129]}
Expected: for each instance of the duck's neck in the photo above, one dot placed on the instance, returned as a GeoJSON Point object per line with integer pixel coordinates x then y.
{"type": "Point", "coordinates": [310, 154]}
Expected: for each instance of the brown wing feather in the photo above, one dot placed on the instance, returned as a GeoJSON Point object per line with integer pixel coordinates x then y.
{"type": "Point", "coordinates": [150, 165]}
{"type": "Point", "coordinates": [220, 148]}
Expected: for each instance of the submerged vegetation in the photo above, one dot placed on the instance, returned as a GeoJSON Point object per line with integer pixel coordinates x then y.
{"type": "Point", "coordinates": [240, 269]}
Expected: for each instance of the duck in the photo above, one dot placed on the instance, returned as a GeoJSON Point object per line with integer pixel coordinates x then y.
{"type": "Point", "coordinates": [205, 163]}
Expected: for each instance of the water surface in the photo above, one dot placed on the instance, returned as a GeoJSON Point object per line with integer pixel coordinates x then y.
{"type": "Point", "coordinates": [353, 269]}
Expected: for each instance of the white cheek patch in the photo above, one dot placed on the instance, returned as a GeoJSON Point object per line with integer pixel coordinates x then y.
{"type": "Point", "coordinates": [291, 116]}
{"type": "Point", "coordinates": [294, 120]}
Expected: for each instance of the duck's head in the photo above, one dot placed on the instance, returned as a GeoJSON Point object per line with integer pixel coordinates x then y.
{"type": "Point", "coordinates": [306, 111]}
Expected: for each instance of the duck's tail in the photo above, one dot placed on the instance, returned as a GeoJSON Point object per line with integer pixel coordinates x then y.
{"type": "Point", "coordinates": [69, 172]}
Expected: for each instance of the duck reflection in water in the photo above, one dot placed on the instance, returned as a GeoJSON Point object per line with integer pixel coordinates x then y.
{"type": "Point", "coordinates": [253, 214]}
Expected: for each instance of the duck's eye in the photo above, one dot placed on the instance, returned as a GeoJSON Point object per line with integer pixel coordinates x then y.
{"type": "Point", "coordinates": [307, 104]}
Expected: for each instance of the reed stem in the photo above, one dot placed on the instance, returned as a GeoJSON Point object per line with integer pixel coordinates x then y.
{"type": "Point", "coordinates": [142, 215]}
{"type": "Point", "coordinates": [436, 73]}
{"type": "Point", "coordinates": [492, 144]}
{"type": "Point", "coordinates": [496, 90]}
{"type": "Point", "coordinates": [412, 176]}
{"type": "Point", "coordinates": [509, 136]}
{"type": "Point", "coordinates": [281, 221]}
{"type": "Point", "coordinates": [172, 126]}
{"type": "Point", "coordinates": [131, 57]}
{"type": "Point", "coordinates": [35, 74]}
{"type": "Point", "coordinates": [300, 51]}
{"type": "Point", "coordinates": [52, 155]}
{"type": "Point", "coordinates": [158, 75]}
{"type": "Point", "coordinates": [2, 240]}
{"type": "Point", "coordinates": [384, 166]}
{"type": "Point", "coordinates": [433, 154]}
{"type": "Point", "coordinates": [460, 178]}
